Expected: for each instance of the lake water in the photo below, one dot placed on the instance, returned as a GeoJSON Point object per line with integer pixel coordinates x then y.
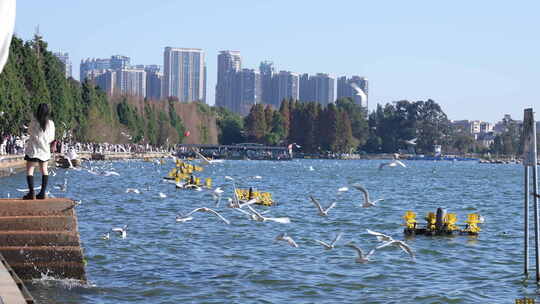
{"type": "Point", "coordinates": [207, 261]}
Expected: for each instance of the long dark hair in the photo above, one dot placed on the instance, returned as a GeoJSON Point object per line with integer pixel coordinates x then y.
{"type": "Point", "coordinates": [42, 115]}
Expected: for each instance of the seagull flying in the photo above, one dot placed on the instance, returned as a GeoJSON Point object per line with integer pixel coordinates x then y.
{"type": "Point", "coordinates": [411, 142]}
{"type": "Point", "coordinates": [380, 236]}
{"type": "Point", "coordinates": [109, 173]}
{"type": "Point", "coordinates": [399, 244]}
{"type": "Point", "coordinates": [322, 211]}
{"type": "Point", "coordinates": [393, 163]}
{"type": "Point", "coordinates": [260, 218]}
{"type": "Point", "coordinates": [122, 231]}
{"type": "Point", "coordinates": [286, 238]}
{"type": "Point", "coordinates": [362, 257]}
{"type": "Point", "coordinates": [217, 195]}
{"type": "Point", "coordinates": [367, 202]}
{"type": "Point", "coordinates": [360, 93]}
{"type": "Point", "coordinates": [331, 245]}
{"type": "Point", "coordinates": [202, 209]}
{"type": "Point", "coordinates": [239, 204]}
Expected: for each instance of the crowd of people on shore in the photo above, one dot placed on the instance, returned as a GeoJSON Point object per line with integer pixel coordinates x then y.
{"type": "Point", "coordinates": [11, 144]}
{"type": "Point", "coordinates": [14, 145]}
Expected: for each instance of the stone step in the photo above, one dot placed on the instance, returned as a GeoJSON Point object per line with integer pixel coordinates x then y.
{"type": "Point", "coordinates": [58, 270]}
{"type": "Point", "coordinates": [45, 207]}
{"type": "Point", "coordinates": [41, 254]}
{"type": "Point", "coordinates": [23, 238]}
{"type": "Point", "coordinates": [38, 223]}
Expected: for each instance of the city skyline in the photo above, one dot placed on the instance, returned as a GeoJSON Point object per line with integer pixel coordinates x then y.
{"type": "Point", "coordinates": [451, 53]}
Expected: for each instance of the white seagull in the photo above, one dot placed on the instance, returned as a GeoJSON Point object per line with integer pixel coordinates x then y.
{"type": "Point", "coordinates": [109, 173]}
{"type": "Point", "coordinates": [380, 236]}
{"type": "Point", "coordinates": [322, 211]}
{"type": "Point", "coordinates": [162, 195]}
{"type": "Point", "coordinates": [122, 231]}
{"type": "Point", "coordinates": [367, 202]}
{"type": "Point", "coordinates": [411, 142]}
{"type": "Point", "coordinates": [393, 163]}
{"type": "Point", "coordinates": [260, 218]}
{"type": "Point", "coordinates": [106, 236]}
{"type": "Point", "coordinates": [362, 257]}
{"type": "Point", "coordinates": [399, 244]}
{"type": "Point", "coordinates": [239, 204]}
{"type": "Point", "coordinates": [286, 238]}
{"type": "Point", "coordinates": [128, 190]}
{"type": "Point", "coordinates": [206, 160]}
{"type": "Point", "coordinates": [216, 194]}
{"type": "Point", "coordinates": [360, 93]}
{"type": "Point", "coordinates": [331, 245]}
{"type": "Point", "coordinates": [343, 189]}
{"type": "Point", "coordinates": [202, 209]}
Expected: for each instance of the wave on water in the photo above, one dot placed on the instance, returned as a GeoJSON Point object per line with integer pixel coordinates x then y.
{"type": "Point", "coordinates": [47, 280]}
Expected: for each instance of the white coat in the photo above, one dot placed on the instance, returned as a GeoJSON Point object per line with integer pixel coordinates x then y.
{"type": "Point", "coordinates": [39, 141]}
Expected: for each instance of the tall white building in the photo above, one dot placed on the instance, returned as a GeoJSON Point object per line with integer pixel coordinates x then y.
{"type": "Point", "coordinates": [64, 57]}
{"type": "Point", "coordinates": [184, 74]}
{"type": "Point", "coordinates": [229, 64]}
{"type": "Point", "coordinates": [287, 85]}
{"type": "Point", "coordinates": [131, 82]}
{"type": "Point", "coordinates": [345, 89]}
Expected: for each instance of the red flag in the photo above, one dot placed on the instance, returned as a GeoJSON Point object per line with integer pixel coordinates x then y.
{"type": "Point", "coordinates": [186, 134]}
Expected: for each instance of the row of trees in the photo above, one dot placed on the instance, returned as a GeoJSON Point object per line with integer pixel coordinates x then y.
{"type": "Point", "coordinates": [345, 126]}
{"type": "Point", "coordinates": [34, 75]}
{"type": "Point", "coordinates": [337, 127]}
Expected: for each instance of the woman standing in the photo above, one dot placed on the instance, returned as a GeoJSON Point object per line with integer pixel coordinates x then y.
{"type": "Point", "coordinates": [38, 150]}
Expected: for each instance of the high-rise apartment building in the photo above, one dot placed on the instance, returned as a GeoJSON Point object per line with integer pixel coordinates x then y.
{"type": "Point", "coordinates": [266, 69]}
{"type": "Point", "coordinates": [345, 89]}
{"type": "Point", "coordinates": [184, 74]}
{"type": "Point", "coordinates": [306, 89]}
{"type": "Point", "coordinates": [104, 79]}
{"type": "Point", "coordinates": [229, 64]}
{"type": "Point", "coordinates": [323, 88]}
{"type": "Point", "coordinates": [131, 82]}
{"type": "Point", "coordinates": [87, 65]}
{"type": "Point", "coordinates": [119, 62]}
{"type": "Point", "coordinates": [318, 88]}
{"type": "Point", "coordinates": [247, 90]}
{"type": "Point", "coordinates": [154, 79]}
{"type": "Point", "coordinates": [287, 85]}
{"type": "Point", "coordinates": [64, 58]}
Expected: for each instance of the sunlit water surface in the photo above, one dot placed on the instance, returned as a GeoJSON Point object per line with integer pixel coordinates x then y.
{"type": "Point", "coordinates": [207, 261]}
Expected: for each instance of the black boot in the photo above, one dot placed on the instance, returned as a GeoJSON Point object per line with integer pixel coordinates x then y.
{"type": "Point", "coordinates": [30, 182]}
{"type": "Point", "coordinates": [42, 194]}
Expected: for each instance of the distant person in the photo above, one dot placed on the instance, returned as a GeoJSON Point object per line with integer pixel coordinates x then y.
{"type": "Point", "coordinates": [38, 150]}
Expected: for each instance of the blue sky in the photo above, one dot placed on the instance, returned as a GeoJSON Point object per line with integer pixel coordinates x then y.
{"type": "Point", "coordinates": [478, 59]}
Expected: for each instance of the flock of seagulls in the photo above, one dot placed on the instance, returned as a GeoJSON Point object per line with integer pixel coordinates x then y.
{"type": "Point", "coordinates": [248, 209]}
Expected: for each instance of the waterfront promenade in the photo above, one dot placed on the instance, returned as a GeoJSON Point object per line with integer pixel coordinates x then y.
{"type": "Point", "coordinates": [11, 164]}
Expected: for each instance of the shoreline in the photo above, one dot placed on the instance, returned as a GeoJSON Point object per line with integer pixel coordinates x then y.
{"type": "Point", "coordinates": [13, 164]}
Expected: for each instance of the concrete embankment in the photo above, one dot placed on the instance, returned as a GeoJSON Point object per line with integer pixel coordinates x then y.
{"type": "Point", "coordinates": [41, 237]}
